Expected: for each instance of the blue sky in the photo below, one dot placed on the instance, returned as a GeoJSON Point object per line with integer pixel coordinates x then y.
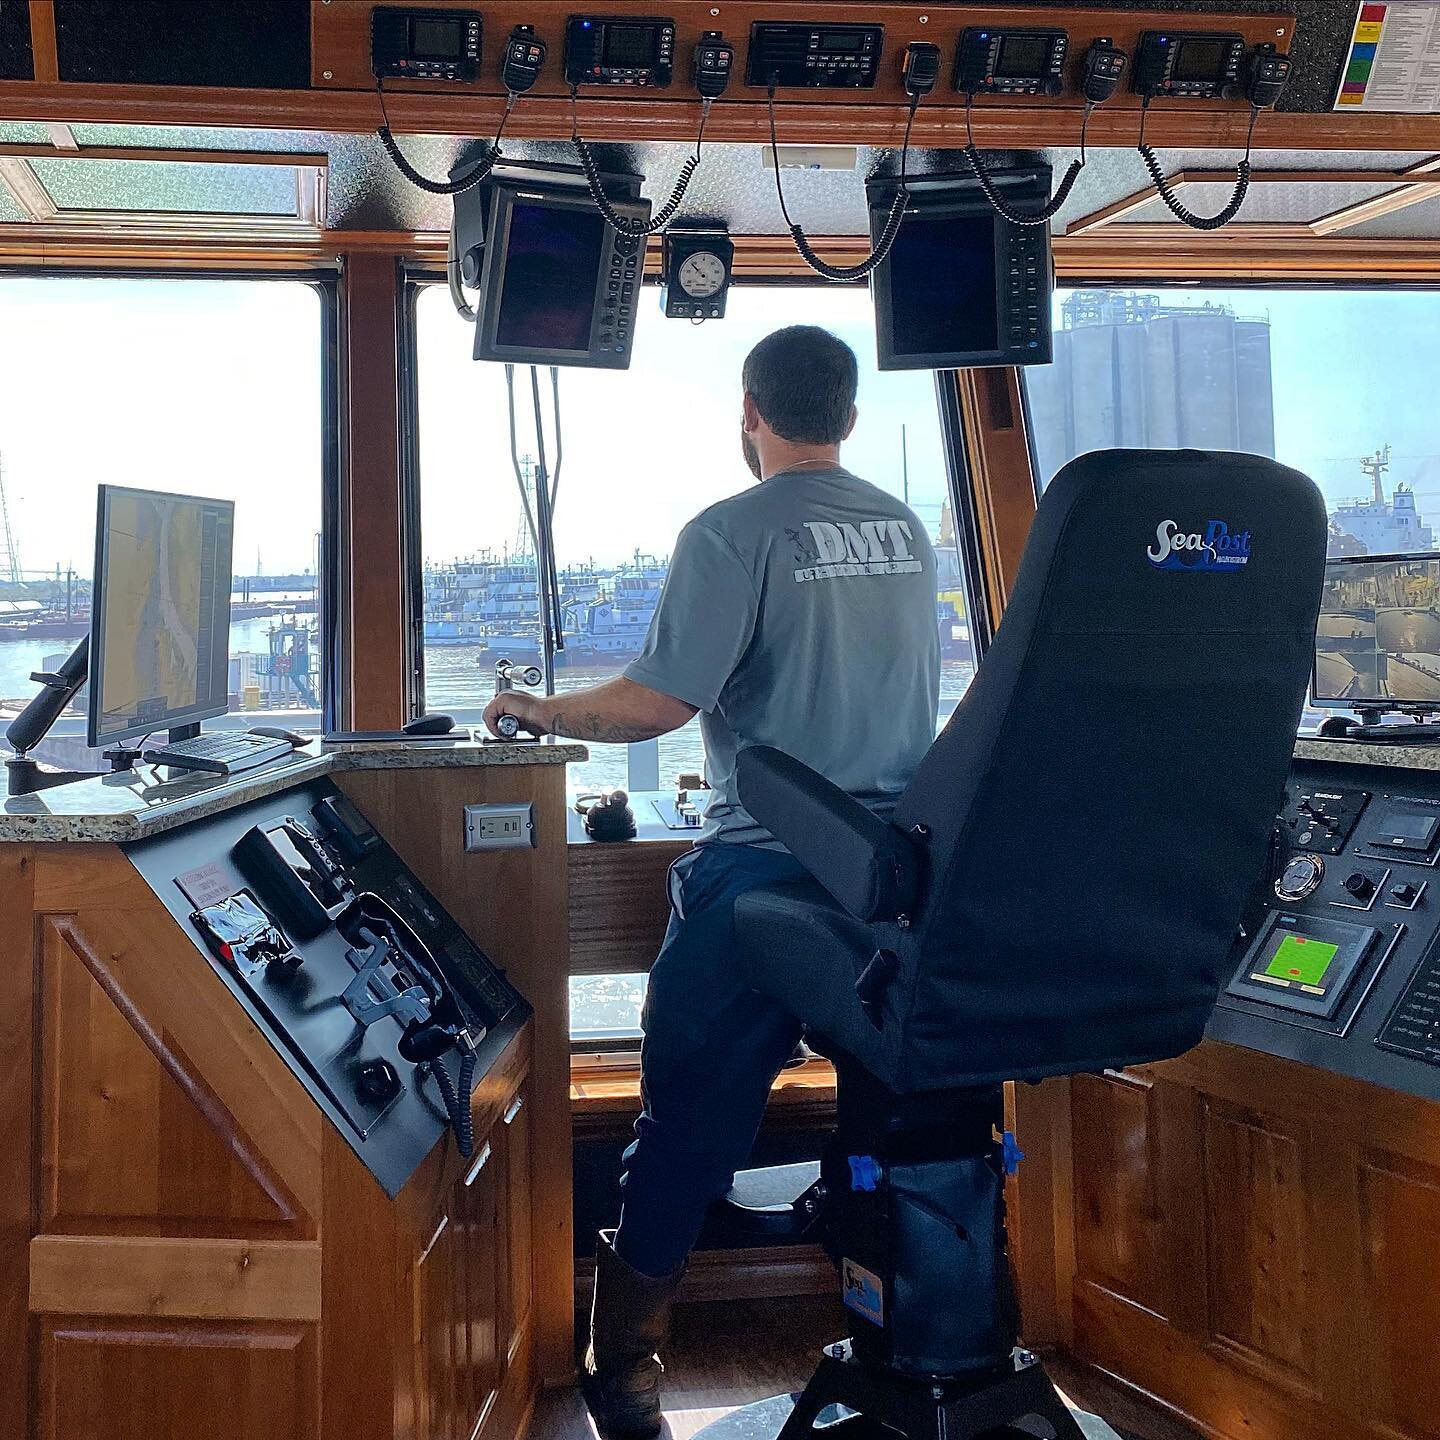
{"type": "Point", "coordinates": [213, 387]}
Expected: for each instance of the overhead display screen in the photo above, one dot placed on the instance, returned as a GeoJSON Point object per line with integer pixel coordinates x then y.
{"type": "Point", "coordinates": [552, 259]}
{"type": "Point", "coordinates": [942, 285]}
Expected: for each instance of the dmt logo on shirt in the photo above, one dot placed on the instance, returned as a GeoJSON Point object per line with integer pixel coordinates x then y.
{"type": "Point", "coordinates": [874, 547]}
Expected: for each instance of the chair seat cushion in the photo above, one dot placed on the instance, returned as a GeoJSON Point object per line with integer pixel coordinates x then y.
{"type": "Point", "coordinates": [801, 948]}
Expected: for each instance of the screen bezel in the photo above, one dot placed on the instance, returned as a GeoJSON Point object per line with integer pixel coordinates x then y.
{"type": "Point", "coordinates": [172, 719]}
{"type": "Point", "coordinates": [492, 280]}
{"type": "Point", "coordinates": [1350, 702]}
{"type": "Point", "coordinates": [961, 198]}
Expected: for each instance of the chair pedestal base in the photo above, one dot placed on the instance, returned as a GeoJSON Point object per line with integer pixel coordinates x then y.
{"type": "Point", "coordinates": [1022, 1402]}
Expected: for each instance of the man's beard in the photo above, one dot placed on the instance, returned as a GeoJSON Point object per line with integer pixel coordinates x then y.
{"type": "Point", "coordinates": [752, 456]}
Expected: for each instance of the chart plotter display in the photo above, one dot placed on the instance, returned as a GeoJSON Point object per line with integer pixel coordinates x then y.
{"type": "Point", "coordinates": [160, 627]}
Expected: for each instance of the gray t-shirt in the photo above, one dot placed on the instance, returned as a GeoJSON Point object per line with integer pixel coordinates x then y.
{"type": "Point", "coordinates": [801, 614]}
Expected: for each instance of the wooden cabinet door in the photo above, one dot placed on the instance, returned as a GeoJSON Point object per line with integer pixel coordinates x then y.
{"type": "Point", "coordinates": [478, 1201]}
{"type": "Point", "coordinates": [439, 1332]}
{"type": "Point", "coordinates": [516, 1227]}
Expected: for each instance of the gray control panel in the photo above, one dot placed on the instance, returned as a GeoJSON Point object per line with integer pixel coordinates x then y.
{"type": "Point", "coordinates": [1338, 963]}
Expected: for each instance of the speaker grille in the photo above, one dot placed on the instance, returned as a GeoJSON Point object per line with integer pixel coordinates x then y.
{"type": "Point", "coordinates": [16, 62]}
{"type": "Point", "coordinates": [242, 44]}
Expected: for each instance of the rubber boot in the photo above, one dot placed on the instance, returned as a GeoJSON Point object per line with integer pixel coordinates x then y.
{"type": "Point", "coordinates": [629, 1324]}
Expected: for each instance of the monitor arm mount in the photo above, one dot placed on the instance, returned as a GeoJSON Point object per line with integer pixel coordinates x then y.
{"type": "Point", "coordinates": [33, 723]}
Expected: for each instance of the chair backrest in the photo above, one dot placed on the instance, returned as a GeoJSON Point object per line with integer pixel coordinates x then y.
{"type": "Point", "coordinates": [1102, 799]}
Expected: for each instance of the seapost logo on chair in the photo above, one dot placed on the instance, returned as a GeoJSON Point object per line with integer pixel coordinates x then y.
{"type": "Point", "coordinates": [1217, 548]}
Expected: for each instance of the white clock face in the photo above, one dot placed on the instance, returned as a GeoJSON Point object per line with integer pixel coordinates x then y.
{"type": "Point", "coordinates": [701, 274]}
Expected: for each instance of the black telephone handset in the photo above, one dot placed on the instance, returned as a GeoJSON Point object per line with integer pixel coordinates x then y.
{"type": "Point", "coordinates": [432, 1028]}
{"type": "Point", "coordinates": [1267, 76]}
{"type": "Point", "coordinates": [524, 59]}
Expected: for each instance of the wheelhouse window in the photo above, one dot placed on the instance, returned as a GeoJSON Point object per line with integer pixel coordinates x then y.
{"type": "Point", "coordinates": [1339, 383]}
{"type": "Point", "coordinates": [643, 452]}
{"type": "Point", "coordinates": [213, 388]}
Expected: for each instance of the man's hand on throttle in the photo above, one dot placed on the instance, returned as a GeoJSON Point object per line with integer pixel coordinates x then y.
{"type": "Point", "coordinates": [528, 709]}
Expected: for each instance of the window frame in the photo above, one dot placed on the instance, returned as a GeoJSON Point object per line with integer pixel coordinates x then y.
{"type": "Point", "coordinates": [417, 277]}
{"type": "Point", "coordinates": [325, 281]}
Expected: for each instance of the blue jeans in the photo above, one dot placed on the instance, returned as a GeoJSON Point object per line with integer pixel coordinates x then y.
{"type": "Point", "coordinates": [712, 1049]}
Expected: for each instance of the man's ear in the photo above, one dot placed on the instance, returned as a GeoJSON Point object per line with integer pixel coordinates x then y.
{"type": "Point", "coordinates": [751, 413]}
{"type": "Point", "coordinates": [849, 424]}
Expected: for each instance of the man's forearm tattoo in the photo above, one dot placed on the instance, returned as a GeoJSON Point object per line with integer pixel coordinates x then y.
{"type": "Point", "coordinates": [591, 725]}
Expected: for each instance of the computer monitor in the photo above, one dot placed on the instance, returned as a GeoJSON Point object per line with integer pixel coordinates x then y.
{"type": "Point", "coordinates": [160, 612]}
{"type": "Point", "coordinates": [1377, 642]}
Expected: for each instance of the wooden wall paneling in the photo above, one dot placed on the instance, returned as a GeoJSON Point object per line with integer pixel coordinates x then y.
{"type": "Point", "coordinates": [171, 1279]}
{"type": "Point", "coordinates": [340, 43]}
{"type": "Point", "coordinates": [17, 1123]}
{"type": "Point", "coordinates": [1039, 1212]}
{"type": "Point", "coordinates": [618, 904]}
{"type": "Point", "coordinates": [1289, 1244]}
{"type": "Point", "coordinates": [1258, 1241]}
{"type": "Point", "coordinates": [1117, 1204]}
{"type": "Point", "coordinates": [514, 905]}
{"type": "Point", "coordinates": [1399, 1294]}
{"type": "Point", "coordinates": [247, 1091]}
{"type": "Point", "coordinates": [993, 412]}
{"type": "Point", "coordinates": [374, 639]}
{"type": "Point", "coordinates": [809, 119]}
{"type": "Point", "coordinates": [42, 42]}
{"type": "Point", "coordinates": [138, 1378]}
{"type": "Point", "coordinates": [122, 1148]}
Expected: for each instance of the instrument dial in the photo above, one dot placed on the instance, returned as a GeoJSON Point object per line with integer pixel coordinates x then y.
{"type": "Point", "coordinates": [701, 275]}
{"type": "Point", "coordinates": [1300, 877]}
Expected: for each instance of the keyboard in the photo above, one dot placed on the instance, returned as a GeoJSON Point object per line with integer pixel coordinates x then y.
{"type": "Point", "coordinates": [221, 752]}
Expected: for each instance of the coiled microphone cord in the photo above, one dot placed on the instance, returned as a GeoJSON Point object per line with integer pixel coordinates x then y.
{"type": "Point", "coordinates": [889, 231]}
{"type": "Point", "coordinates": [424, 182]}
{"type": "Point", "coordinates": [1173, 202]}
{"type": "Point", "coordinates": [662, 217]}
{"type": "Point", "coordinates": [998, 201]}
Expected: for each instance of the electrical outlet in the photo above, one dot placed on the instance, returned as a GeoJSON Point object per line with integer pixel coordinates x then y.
{"type": "Point", "coordinates": [500, 827]}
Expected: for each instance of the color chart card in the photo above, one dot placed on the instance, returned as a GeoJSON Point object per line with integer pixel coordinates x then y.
{"type": "Point", "coordinates": [1394, 60]}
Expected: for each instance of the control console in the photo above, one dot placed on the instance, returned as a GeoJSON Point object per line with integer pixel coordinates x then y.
{"type": "Point", "coordinates": [1338, 963]}
{"type": "Point", "coordinates": [378, 1000]}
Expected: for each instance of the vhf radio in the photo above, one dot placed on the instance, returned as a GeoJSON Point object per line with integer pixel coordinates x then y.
{"type": "Point", "coordinates": [1189, 64]}
{"type": "Point", "coordinates": [619, 50]}
{"type": "Point", "coordinates": [425, 44]}
{"type": "Point", "coordinates": [991, 61]}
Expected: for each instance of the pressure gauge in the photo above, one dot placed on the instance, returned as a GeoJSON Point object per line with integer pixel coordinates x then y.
{"type": "Point", "coordinates": [696, 266]}
{"type": "Point", "coordinates": [1300, 877]}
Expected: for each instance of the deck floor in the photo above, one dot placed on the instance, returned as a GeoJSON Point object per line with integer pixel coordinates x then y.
{"type": "Point", "coordinates": [725, 1355]}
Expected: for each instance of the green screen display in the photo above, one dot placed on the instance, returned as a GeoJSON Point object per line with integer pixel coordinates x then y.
{"type": "Point", "coordinates": [1301, 961]}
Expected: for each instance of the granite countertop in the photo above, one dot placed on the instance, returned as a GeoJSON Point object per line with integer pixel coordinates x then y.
{"type": "Point", "coordinates": [1360, 752]}
{"type": "Point", "coordinates": [136, 804]}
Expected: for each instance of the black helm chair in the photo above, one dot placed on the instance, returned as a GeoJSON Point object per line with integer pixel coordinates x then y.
{"type": "Point", "coordinates": [1057, 893]}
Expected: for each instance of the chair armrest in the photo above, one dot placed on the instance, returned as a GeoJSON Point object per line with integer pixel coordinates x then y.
{"type": "Point", "coordinates": [868, 865]}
